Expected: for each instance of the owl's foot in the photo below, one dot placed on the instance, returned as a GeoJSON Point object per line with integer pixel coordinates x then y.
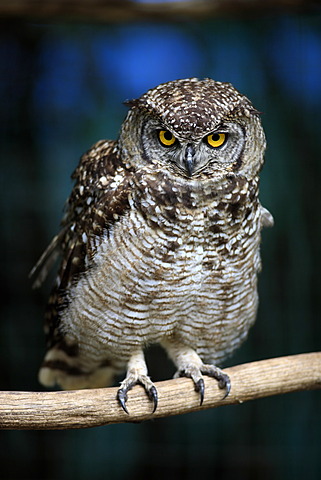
{"type": "Point", "coordinates": [190, 365]}
{"type": "Point", "coordinates": [137, 375]}
{"type": "Point", "coordinates": [129, 382]}
{"type": "Point", "coordinates": [195, 373]}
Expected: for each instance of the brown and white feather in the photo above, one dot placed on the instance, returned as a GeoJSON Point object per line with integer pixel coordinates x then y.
{"type": "Point", "coordinates": [152, 255]}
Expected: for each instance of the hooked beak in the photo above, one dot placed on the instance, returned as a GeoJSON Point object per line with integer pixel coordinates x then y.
{"type": "Point", "coordinates": [189, 161]}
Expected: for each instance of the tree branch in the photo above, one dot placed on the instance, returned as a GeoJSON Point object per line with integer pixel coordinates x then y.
{"type": "Point", "coordinates": [95, 407]}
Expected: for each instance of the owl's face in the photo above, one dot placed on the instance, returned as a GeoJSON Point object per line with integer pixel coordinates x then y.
{"type": "Point", "coordinates": [194, 128]}
{"type": "Point", "coordinates": [220, 148]}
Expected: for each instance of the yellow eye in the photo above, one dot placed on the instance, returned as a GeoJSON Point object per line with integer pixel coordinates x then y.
{"type": "Point", "coordinates": [166, 138]}
{"type": "Point", "coordinates": [216, 140]}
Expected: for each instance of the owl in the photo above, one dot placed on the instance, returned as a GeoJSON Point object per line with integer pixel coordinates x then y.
{"type": "Point", "coordinates": [159, 243]}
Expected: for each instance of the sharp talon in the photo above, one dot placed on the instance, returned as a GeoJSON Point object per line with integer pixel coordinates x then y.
{"type": "Point", "coordinates": [151, 393]}
{"type": "Point", "coordinates": [153, 396]}
{"type": "Point", "coordinates": [225, 382]}
{"type": "Point", "coordinates": [200, 387]}
{"type": "Point", "coordinates": [122, 398]}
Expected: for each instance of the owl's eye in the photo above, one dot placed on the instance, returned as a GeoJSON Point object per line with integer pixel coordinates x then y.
{"type": "Point", "coordinates": [216, 140]}
{"type": "Point", "coordinates": [166, 138]}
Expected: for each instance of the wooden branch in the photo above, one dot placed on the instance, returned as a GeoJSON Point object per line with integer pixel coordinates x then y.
{"type": "Point", "coordinates": [92, 408]}
{"type": "Point", "coordinates": [126, 10]}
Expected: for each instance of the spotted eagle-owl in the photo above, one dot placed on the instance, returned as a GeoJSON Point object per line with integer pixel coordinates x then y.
{"type": "Point", "coordinates": [159, 242]}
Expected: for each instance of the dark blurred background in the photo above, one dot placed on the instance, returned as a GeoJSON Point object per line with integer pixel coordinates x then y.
{"type": "Point", "coordinates": [62, 88]}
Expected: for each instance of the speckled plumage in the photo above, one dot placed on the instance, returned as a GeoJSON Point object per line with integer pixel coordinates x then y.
{"type": "Point", "coordinates": [156, 249]}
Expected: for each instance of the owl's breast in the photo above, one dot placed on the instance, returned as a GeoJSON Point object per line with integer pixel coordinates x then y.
{"type": "Point", "coordinates": [173, 269]}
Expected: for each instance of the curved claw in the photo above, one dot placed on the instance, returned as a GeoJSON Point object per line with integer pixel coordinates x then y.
{"type": "Point", "coordinates": [122, 398]}
{"type": "Point", "coordinates": [195, 374]}
{"type": "Point", "coordinates": [151, 393]}
{"type": "Point", "coordinates": [225, 382]}
{"type": "Point", "coordinates": [200, 388]}
{"type": "Point", "coordinates": [153, 396]}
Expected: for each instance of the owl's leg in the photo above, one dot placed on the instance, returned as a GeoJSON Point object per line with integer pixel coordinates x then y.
{"type": "Point", "coordinates": [190, 365]}
{"type": "Point", "coordinates": [137, 375]}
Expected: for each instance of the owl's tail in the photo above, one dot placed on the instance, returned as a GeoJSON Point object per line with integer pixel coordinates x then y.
{"type": "Point", "coordinates": [60, 369]}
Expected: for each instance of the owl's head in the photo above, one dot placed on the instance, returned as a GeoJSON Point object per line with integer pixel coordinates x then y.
{"type": "Point", "coordinates": [194, 128]}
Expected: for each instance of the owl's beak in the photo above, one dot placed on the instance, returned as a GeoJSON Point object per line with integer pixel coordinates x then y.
{"type": "Point", "coordinates": [189, 161]}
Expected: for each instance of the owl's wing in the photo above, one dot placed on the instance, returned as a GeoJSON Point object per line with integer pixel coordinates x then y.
{"type": "Point", "coordinates": [97, 201]}
{"type": "Point", "coordinates": [45, 263]}
{"type": "Point", "coordinates": [267, 219]}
